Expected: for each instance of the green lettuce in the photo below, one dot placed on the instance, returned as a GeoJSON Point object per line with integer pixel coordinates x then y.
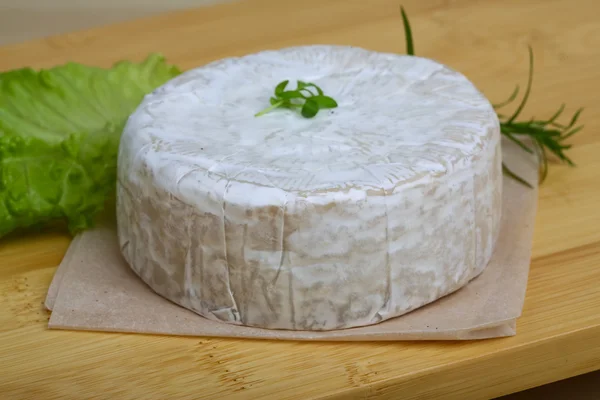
{"type": "Point", "coordinates": [59, 137]}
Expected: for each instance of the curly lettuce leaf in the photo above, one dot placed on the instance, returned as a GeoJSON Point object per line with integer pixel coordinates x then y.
{"type": "Point", "coordinates": [59, 138]}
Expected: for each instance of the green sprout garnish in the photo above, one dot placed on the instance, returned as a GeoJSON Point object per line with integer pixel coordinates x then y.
{"type": "Point", "coordinates": [308, 101]}
{"type": "Point", "coordinates": [546, 136]}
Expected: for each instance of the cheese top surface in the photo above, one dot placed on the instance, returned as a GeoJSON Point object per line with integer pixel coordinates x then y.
{"type": "Point", "coordinates": [399, 118]}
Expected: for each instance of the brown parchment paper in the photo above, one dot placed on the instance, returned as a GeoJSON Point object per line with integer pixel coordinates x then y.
{"type": "Point", "coordinates": [58, 275]}
{"type": "Point", "coordinates": [94, 288]}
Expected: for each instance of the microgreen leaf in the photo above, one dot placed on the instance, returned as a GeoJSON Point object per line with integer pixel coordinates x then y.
{"type": "Point", "coordinates": [291, 95]}
{"type": "Point", "coordinates": [325, 101]}
{"type": "Point", "coordinates": [280, 88]}
{"type": "Point", "coordinates": [310, 108]}
{"type": "Point", "coordinates": [312, 102]}
{"type": "Point", "coordinates": [306, 93]}
{"type": "Point", "coordinates": [319, 91]}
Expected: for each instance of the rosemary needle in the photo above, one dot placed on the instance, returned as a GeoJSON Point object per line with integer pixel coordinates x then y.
{"type": "Point", "coordinates": [410, 49]}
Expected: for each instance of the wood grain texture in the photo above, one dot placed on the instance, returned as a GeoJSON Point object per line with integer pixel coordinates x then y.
{"type": "Point", "coordinates": [559, 332]}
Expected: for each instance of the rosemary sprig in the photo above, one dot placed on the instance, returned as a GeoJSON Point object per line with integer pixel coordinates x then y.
{"type": "Point", "coordinates": [303, 97]}
{"type": "Point", "coordinates": [546, 136]}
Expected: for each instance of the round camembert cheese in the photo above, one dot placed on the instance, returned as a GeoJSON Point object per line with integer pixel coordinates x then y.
{"type": "Point", "coordinates": [360, 214]}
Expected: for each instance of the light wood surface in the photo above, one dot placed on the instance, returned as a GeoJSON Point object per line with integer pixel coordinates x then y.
{"type": "Point", "coordinates": [22, 20]}
{"type": "Point", "coordinates": [559, 332]}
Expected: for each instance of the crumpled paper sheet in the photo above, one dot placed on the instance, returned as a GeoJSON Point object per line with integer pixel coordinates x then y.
{"type": "Point", "coordinates": [94, 288]}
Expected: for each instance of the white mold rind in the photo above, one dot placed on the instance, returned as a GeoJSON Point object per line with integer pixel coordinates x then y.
{"type": "Point", "coordinates": [361, 214]}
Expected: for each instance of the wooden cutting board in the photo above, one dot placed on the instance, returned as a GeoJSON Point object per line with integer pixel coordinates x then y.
{"type": "Point", "coordinates": [559, 332]}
